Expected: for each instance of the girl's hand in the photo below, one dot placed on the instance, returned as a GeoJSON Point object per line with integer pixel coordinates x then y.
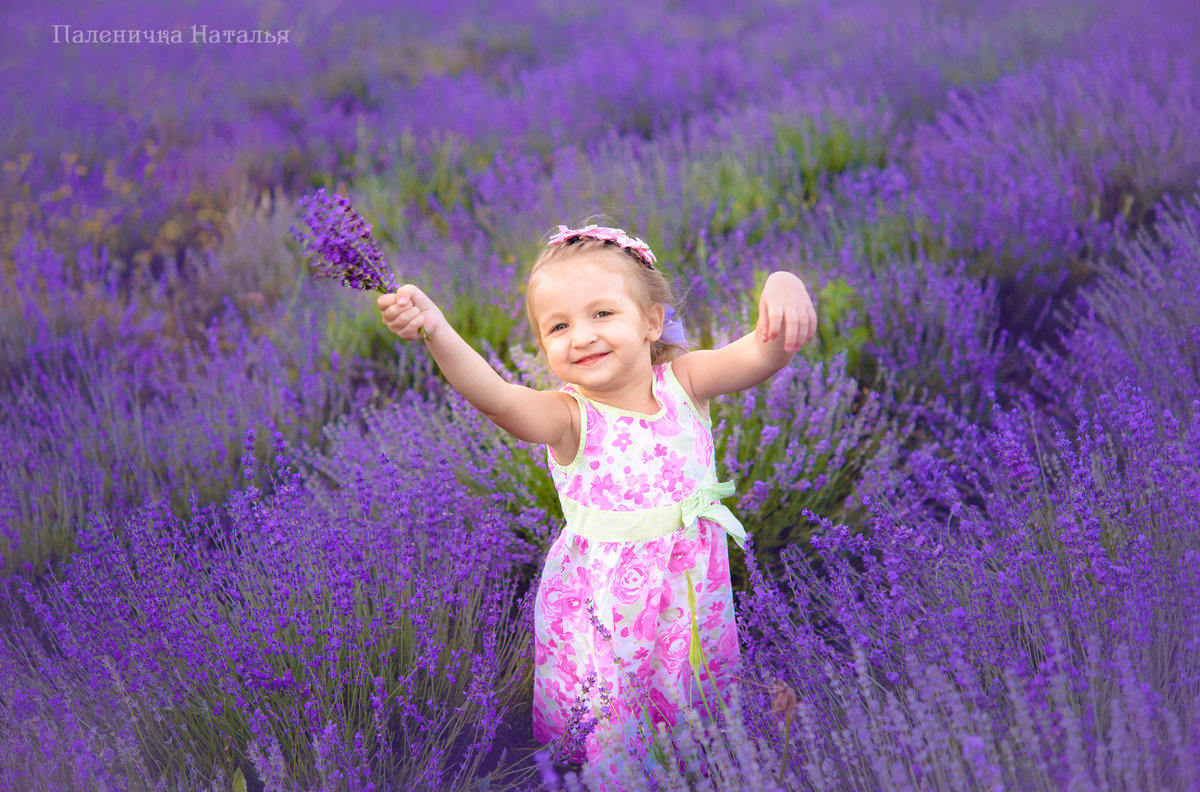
{"type": "Point", "coordinates": [407, 311]}
{"type": "Point", "coordinates": [785, 305]}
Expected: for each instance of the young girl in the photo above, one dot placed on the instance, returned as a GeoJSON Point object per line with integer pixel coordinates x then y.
{"type": "Point", "coordinates": [629, 446]}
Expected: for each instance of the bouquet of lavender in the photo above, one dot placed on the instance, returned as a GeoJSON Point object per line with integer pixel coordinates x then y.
{"type": "Point", "coordinates": [341, 246]}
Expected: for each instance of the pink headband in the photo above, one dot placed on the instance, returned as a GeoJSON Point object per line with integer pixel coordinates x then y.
{"type": "Point", "coordinates": [616, 235]}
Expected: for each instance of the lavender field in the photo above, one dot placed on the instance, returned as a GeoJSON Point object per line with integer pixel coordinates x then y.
{"type": "Point", "coordinates": [252, 541]}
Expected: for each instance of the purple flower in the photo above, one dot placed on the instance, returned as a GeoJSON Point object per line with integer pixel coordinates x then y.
{"type": "Point", "coordinates": [341, 246]}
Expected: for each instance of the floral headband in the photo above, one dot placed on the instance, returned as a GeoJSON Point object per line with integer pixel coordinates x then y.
{"type": "Point", "coordinates": [631, 243]}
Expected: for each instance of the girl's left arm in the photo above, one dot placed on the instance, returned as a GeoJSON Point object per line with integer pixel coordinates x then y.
{"type": "Point", "coordinates": [786, 322]}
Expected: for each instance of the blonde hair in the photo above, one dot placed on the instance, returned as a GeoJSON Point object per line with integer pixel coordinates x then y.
{"type": "Point", "coordinates": [650, 285]}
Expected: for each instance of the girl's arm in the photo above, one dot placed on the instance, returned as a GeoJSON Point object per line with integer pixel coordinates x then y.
{"type": "Point", "coordinates": [786, 321]}
{"type": "Point", "coordinates": [549, 417]}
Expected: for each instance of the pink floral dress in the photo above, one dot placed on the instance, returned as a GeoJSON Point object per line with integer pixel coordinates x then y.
{"type": "Point", "coordinates": [614, 620]}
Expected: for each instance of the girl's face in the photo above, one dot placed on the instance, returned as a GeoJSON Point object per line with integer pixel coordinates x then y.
{"type": "Point", "coordinates": [590, 325]}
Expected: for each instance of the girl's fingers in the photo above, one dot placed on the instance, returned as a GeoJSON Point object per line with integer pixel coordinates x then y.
{"type": "Point", "coordinates": [404, 295]}
{"type": "Point", "coordinates": [414, 317]}
{"type": "Point", "coordinates": [785, 302]}
{"type": "Point", "coordinates": [398, 315]}
{"type": "Point", "coordinates": [410, 328]}
{"type": "Point", "coordinates": [403, 312]}
{"type": "Point", "coordinates": [799, 329]}
{"type": "Point", "coordinates": [791, 330]}
{"type": "Point", "coordinates": [411, 294]}
{"type": "Point", "coordinates": [797, 321]}
{"type": "Point", "coordinates": [399, 311]}
{"type": "Point", "coordinates": [778, 317]}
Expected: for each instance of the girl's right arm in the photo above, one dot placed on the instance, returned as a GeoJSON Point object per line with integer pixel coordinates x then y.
{"type": "Point", "coordinates": [550, 417]}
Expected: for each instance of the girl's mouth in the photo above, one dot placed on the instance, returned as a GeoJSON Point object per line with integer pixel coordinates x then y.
{"type": "Point", "coordinates": [590, 359]}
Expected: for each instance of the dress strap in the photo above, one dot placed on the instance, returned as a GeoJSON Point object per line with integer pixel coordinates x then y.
{"type": "Point", "coordinates": [606, 525]}
{"type": "Point", "coordinates": [671, 382]}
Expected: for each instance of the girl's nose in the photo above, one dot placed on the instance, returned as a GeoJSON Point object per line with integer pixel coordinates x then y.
{"type": "Point", "coordinates": [582, 335]}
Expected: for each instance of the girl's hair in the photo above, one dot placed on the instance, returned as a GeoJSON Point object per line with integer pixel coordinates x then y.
{"type": "Point", "coordinates": [650, 285]}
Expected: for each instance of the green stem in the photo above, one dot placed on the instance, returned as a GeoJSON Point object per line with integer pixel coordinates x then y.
{"type": "Point", "coordinates": [787, 739]}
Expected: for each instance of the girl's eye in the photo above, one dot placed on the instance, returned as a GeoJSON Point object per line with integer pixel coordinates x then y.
{"type": "Point", "coordinates": [557, 327]}
{"type": "Point", "coordinates": [603, 313]}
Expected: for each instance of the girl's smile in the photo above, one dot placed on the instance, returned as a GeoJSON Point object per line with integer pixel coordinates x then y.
{"type": "Point", "coordinates": [594, 332]}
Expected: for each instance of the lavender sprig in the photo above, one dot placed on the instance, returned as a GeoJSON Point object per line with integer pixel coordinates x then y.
{"type": "Point", "coordinates": [340, 246]}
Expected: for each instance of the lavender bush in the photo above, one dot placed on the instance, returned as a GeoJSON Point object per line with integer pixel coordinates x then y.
{"type": "Point", "coordinates": [358, 637]}
{"type": "Point", "coordinates": [798, 444]}
{"type": "Point", "coordinates": [966, 642]}
{"type": "Point", "coordinates": [100, 427]}
{"type": "Point", "coordinates": [1137, 321]}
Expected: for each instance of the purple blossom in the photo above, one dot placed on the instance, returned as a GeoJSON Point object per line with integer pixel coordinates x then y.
{"type": "Point", "coordinates": [340, 244]}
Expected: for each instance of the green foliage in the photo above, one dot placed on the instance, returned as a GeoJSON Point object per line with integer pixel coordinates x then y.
{"type": "Point", "coordinates": [784, 178]}
{"type": "Point", "coordinates": [356, 330]}
{"type": "Point", "coordinates": [427, 174]}
{"type": "Point", "coordinates": [735, 186]}
{"type": "Point", "coordinates": [819, 148]}
{"type": "Point", "coordinates": [841, 327]}
{"type": "Point", "coordinates": [486, 324]}
{"type": "Point", "coordinates": [883, 235]}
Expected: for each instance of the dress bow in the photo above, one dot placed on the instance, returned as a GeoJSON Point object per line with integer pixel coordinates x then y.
{"type": "Point", "coordinates": [706, 502]}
